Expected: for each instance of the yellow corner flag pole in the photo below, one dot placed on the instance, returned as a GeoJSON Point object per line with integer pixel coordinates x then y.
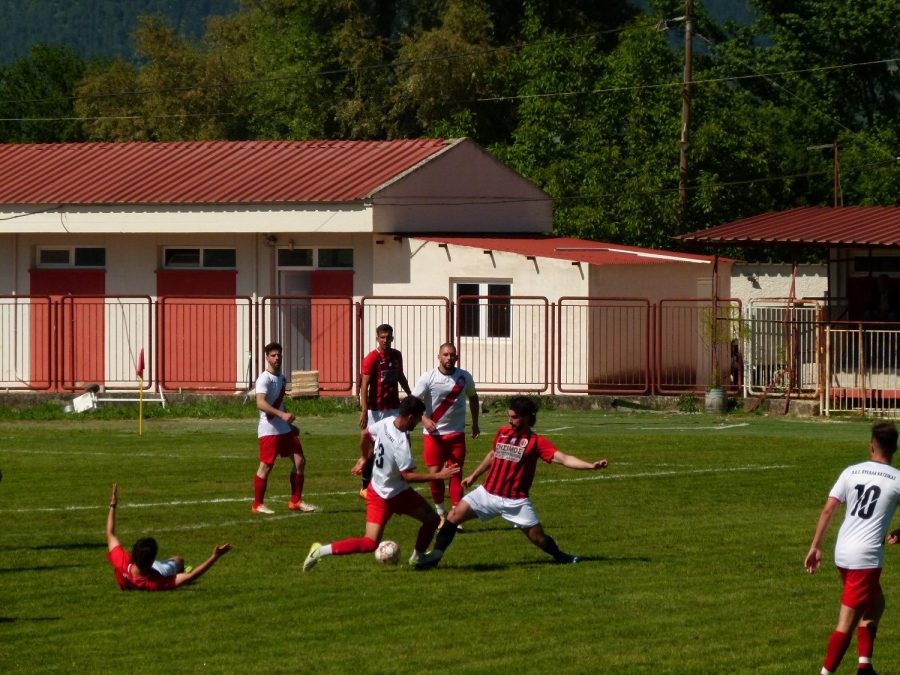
{"type": "Point", "coordinates": [140, 374]}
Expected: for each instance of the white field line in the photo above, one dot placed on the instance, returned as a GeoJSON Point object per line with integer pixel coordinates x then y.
{"type": "Point", "coordinates": [660, 474]}
{"type": "Point", "coordinates": [274, 498]}
{"type": "Point", "coordinates": [251, 455]}
{"type": "Point", "coordinates": [719, 427]}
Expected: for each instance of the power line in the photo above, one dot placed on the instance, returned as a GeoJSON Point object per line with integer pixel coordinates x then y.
{"type": "Point", "coordinates": [427, 199]}
{"type": "Point", "coordinates": [336, 71]}
{"type": "Point", "coordinates": [679, 83]}
{"type": "Point", "coordinates": [802, 100]}
{"type": "Point", "coordinates": [602, 90]}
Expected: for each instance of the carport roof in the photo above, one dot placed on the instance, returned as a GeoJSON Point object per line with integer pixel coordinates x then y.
{"type": "Point", "coordinates": [842, 226]}
{"type": "Point", "coordinates": [576, 250]}
{"type": "Point", "coordinates": [207, 172]}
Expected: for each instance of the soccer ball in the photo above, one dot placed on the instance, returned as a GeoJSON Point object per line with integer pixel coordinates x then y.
{"type": "Point", "coordinates": [388, 552]}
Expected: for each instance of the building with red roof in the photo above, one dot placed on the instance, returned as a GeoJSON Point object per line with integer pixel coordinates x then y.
{"type": "Point", "coordinates": [236, 223]}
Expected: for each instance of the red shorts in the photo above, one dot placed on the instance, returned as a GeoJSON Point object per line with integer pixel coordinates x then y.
{"type": "Point", "coordinates": [282, 445]}
{"type": "Point", "coordinates": [861, 587]}
{"type": "Point", "coordinates": [379, 510]}
{"type": "Point", "coordinates": [436, 450]}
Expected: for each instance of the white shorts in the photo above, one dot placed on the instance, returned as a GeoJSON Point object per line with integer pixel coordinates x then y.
{"type": "Point", "coordinates": [519, 512]}
{"type": "Point", "coordinates": [167, 568]}
{"type": "Point", "coordinates": [378, 415]}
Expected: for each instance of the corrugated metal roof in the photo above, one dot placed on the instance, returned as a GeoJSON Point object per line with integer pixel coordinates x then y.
{"type": "Point", "coordinates": [827, 226]}
{"type": "Point", "coordinates": [204, 172]}
{"type": "Point", "coordinates": [576, 250]}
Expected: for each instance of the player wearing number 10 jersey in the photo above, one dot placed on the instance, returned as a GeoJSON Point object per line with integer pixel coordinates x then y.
{"type": "Point", "coordinates": [870, 492]}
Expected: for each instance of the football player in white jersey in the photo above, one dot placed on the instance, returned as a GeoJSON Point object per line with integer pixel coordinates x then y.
{"type": "Point", "coordinates": [278, 437]}
{"type": "Point", "coordinates": [446, 391]}
{"type": "Point", "coordinates": [389, 493]}
{"type": "Point", "coordinates": [870, 491]}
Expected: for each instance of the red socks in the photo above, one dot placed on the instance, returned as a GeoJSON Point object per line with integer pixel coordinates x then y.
{"type": "Point", "coordinates": [426, 532]}
{"type": "Point", "coordinates": [437, 491]}
{"type": "Point", "coordinates": [837, 645]}
{"type": "Point", "coordinates": [353, 545]}
{"type": "Point", "coordinates": [296, 487]}
{"type": "Point", "coordinates": [865, 642]}
{"type": "Point", "coordinates": [259, 490]}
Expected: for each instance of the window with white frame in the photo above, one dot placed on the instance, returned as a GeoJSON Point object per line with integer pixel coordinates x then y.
{"type": "Point", "coordinates": [483, 308]}
{"type": "Point", "coordinates": [71, 256]}
{"type": "Point", "coordinates": [321, 258]}
{"type": "Point", "coordinates": [200, 257]}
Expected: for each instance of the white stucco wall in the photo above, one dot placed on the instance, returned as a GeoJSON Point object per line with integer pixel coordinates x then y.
{"type": "Point", "coordinates": [132, 259]}
{"type": "Point", "coordinates": [205, 219]}
{"type": "Point", "coordinates": [462, 190]}
{"type": "Point", "coordinates": [657, 281]}
{"type": "Point", "coordinates": [434, 269]}
{"type": "Point", "coordinates": [751, 281]}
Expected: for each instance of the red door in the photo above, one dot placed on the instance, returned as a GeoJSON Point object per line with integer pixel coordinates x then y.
{"type": "Point", "coordinates": [331, 320]}
{"type": "Point", "coordinates": [81, 327]}
{"type": "Point", "coordinates": [198, 329]}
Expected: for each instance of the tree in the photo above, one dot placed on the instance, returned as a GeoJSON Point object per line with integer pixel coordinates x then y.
{"type": "Point", "coordinates": [442, 71]}
{"type": "Point", "coordinates": [36, 96]}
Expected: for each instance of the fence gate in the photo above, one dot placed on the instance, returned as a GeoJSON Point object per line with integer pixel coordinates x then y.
{"type": "Point", "coordinates": [783, 346]}
{"type": "Point", "coordinates": [316, 334]}
{"type": "Point", "coordinates": [697, 344]}
{"type": "Point", "coordinates": [421, 325]}
{"type": "Point", "coordinates": [27, 342]}
{"type": "Point", "coordinates": [862, 369]}
{"type": "Point", "coordinates": [603, 346]}
{"type": "Point", "coordinates": [204, 342]}
{"type": "Point", "coordinates": [504, 341]}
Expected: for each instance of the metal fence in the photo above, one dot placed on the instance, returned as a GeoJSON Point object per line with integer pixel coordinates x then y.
{"type": "Point", "coordinates": [27, 342]}
{"type": "Point", "coordinates": [862, 369]}
{"type": "Point", "coordinates": [604, 345]}
{"type": "Point", "coordinates": [783, 347]}
{"type": "Point", "coordinates": [421, 324]}
{"type": "Point", "coordinates": [316, 335]}
{"type": "Point", "coordinates": [697, 339]}
{"type": "Point", "coordinates": [504, 341]}
{"type": "Point", "coordinates": [578, 345]}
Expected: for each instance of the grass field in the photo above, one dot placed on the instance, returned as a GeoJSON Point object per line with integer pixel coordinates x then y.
{"type": "Point", "coordinates": [692, 544]}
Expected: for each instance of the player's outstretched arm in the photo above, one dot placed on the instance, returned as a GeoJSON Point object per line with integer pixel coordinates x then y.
{"type": "Point", "coordinates": [443, 474]}
{"type": "Point", "coordinates": [573, 462]}
{"type": "Point", "coordinates": [197, 572]}
{"type": "Point", "coordinates": [111, 540]}
{"type": "Point", "coordinates": [814, 556]}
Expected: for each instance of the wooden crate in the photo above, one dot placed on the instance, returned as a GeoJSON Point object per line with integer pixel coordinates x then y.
{"type": "Point", "coordinates": [304, 383]}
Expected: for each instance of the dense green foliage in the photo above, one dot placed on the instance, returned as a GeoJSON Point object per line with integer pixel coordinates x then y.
{"type": "Point", "coordinates": [584, 98]}
{"type": "Point", "coordinates": [693, 542]}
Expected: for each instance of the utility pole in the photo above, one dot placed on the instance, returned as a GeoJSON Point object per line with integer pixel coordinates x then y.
{"type": "Point", "coordinates": [685, 115]}
{"type": "Point", "coordinates": [837, 171]}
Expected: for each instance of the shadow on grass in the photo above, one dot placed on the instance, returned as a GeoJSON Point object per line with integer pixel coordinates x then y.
{"type": "Point", "coordinates": [37, 568]}
{"type": "Point", "coordinates": [12, 619]}
{"type": "Point", "coordinates": [69, 547]}
{"type": "Point", "coordinates": [494, 567]}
